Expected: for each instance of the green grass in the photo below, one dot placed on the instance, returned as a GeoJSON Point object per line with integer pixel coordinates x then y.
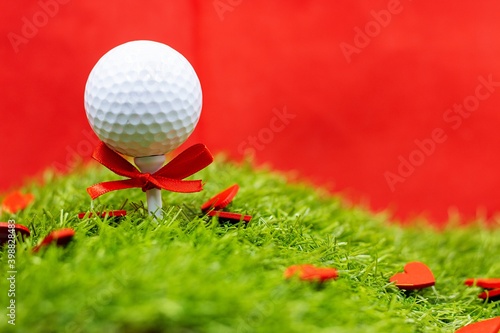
{"type": "Point", "coordinates": [188, 273]}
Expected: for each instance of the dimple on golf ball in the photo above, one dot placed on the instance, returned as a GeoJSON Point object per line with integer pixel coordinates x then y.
{"type": "Point", "coordinates": [143, 98]}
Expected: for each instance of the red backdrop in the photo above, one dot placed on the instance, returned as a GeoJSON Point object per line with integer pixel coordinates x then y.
{"type": "Point", "coordinates": [392, 102]}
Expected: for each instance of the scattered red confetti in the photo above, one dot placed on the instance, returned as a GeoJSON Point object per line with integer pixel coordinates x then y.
{"type": "Point", "coordinates": [16, 201]}
{"type": "Point", "coordinates": [58, 237]}
{"type": "Point", "coordinates": [485, 283]}
{"type": "Point", "coordinates": [491, 295]}
{"type": "Point", "coordinates": [230, 217]}
{"type": "Point", "coordinates": [485, 326]}
{"type": "Point", "coordinates": [6, 229]}
{"type": "Point", "coordinates": [416, 276]}
{"type": "Point", "coordinates": [309, 272]}
{"type": "Point", "coordinates": [111, 213]}
{"type": "Point", "coordinates": [221, 200]}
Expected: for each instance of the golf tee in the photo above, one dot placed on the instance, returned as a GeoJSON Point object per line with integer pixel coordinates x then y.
{"type": "Point", "coordinates": [151, 164]}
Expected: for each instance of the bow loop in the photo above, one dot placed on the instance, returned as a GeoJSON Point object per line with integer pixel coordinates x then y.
{"type": "Point", "coordinates": [169, 177]}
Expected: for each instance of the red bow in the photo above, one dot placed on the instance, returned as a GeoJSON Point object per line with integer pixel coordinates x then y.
{"type": "Point", "coordinates": [169, 177]}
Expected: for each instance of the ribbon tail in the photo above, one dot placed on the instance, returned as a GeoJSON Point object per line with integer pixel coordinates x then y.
{"type": "Point", "coordinates": [97, 190]}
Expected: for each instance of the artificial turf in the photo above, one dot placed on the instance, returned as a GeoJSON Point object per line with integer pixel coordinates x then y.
{"type": "Point", "coordinates": [189, 273]}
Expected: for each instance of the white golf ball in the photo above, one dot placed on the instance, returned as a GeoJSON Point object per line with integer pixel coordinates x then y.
{"type": "Point", "coordinates": [143, 98]}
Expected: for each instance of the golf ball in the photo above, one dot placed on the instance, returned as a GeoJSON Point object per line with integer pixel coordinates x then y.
{"type": "Point", "coordinates": [143, 98]}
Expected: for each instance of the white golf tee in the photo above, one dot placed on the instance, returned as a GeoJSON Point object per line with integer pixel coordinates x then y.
{"type": "Point", "coordinates": [151, 164]}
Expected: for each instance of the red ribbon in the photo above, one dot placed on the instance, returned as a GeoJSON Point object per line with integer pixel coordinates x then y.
{"type": "Point", "coordinates": [169, 177]}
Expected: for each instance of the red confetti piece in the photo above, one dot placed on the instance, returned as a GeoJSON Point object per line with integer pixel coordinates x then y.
{"type": "Point", "coordinates": [309, 272]}
{"type": "Point", "coordinates": [493, 284]}
{"type": "Point", "coordinates": [416, 276]}
{"type": "Point", "coordinates": [214, 206]}
{"type": "Point", "coordinates": [221, 200]}
{"type": "Point", "coordinates": [486, 283]}
{"type": "Point", "coordinates": [59, 237]}
{"type": "Point", "coordinates": [16, 201]}
{"type": "Point", "coordinates": [7, 228]}
{"type": "Point", "coordinates": [491, 295]}
{"type": "Point", "coordinates": [485, 326]}
{"type": "Point", "coordinates": [111, 213]}
{"type": "Point", "coordinates": [230, 217]}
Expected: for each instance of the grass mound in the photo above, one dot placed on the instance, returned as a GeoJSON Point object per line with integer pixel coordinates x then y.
{"type": "Point", "coordinates": [189, 273]}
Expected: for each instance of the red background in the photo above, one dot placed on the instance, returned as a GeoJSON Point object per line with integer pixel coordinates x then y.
{"type": "Point", "coordinates": [352, 119]}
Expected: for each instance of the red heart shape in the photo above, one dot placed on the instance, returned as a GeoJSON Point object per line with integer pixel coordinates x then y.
{"type": "Point", "coordinates": [16, 201]}
{"type": "Point", "coordinates": [484, 283]}
{"type": "Point", "coordinates": [6, 228]}
{"type": "Point", "coordinates": [230, 217]}
{"type": "Point", "coordinates": [492, 294]}
{"type": "Point", "coordinates": [221, 200]}
{"type": "Point", "coordinates": [311, 273]}
{"type": "Point", "coordinates": [485, 326]}
{"type": "Point", "coordinates": [59, 237]}
{"type": "Point", "coordinates": [111, 213]}
{"type": "Point", "coordinates": [416, 276]}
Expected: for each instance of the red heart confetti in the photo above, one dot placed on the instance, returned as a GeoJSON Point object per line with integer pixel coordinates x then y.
{"type": "Point", "coordinates": [491, 295]}
{"type": "Point", "coordinates": [7, 228]}
{"type": "Point", "coordinates": [416, 276]}
{"type": "Point", "coordinates": [230, 217]}
{"type": "Point", "coordinates": [16, 201]}
{"type": "Point", "coordinates": [492, 284]}
{"type": "Point", "coordinates": [111, 213]}
{"type": "Point", "coordinates": [485, 283]}
{"type": "Point", "coordinates": [214, 206]}
{"type": "Point", "coordinates": [58, 237]}
{"type": "Point", "coordinates": [221, 200]}
{"type": "Point", "coordinates": [309, 272]}
{"type": "Point", "coordinates": [485, 326]}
